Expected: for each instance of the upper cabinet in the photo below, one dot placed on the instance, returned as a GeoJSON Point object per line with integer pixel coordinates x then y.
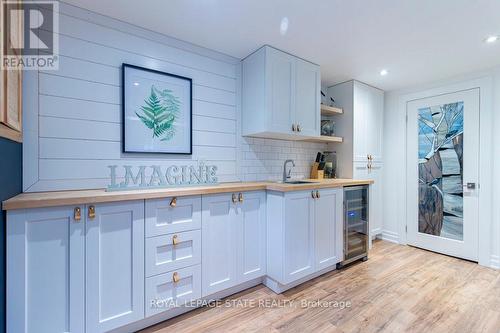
{"type": "Point", "coordinates": [360, 125]}
{"type": "Point", "coordinates": [281, 96]}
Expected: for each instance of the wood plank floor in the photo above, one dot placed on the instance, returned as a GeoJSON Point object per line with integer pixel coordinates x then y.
{"type": "Point", "coordinates": [399, 289]}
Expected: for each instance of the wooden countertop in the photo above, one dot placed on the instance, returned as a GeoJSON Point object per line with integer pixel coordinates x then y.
{"type": "Point", "coordinates": [65, 198]}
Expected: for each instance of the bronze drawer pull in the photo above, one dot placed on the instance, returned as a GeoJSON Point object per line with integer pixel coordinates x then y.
{"type": "Point", "coordinates": [91, 212]}
{"type": "Point", "coordinates": [78, 214]}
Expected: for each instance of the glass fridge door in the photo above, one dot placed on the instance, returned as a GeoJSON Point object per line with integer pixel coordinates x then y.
{"type": "Point", "coordinates": [356, 221]}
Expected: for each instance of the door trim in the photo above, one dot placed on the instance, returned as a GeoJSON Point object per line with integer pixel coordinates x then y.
{"type": "Point", "coordinates": [485, 192]}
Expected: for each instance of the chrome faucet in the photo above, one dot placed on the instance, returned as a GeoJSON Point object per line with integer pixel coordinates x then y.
{"type": "Point", "coordinates": [286, 175]}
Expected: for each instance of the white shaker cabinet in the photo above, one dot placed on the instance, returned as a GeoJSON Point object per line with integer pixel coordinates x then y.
{"type": "Point", "coordinates": [233, 239]}
{"type": "Point", "coordinates": [361, 125]}
{"type": "Point", "coordinates": [251, 236]}
{"type": "Point", "coordinates": [307, 98]}
{"type": "Point", "coordinates": [328, 217]}
{"type": "Point", "coordinates": [373, 171]}
{"type": "Point", "coordinates": [219, 243]}
{"type": "Point", "coordinates": [304, 234]}
{"type": "Point", "coordinates": [298, 236]}
{"type": "Point", "coordinates": [45, 270]}
{"type": "Point", "coordinates": [280, 96]}
{"type": "Point", "coordinates": [115, 265]}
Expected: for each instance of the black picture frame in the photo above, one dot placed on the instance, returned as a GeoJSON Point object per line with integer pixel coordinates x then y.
{"type": "Point", "coordinates": [124, 69]}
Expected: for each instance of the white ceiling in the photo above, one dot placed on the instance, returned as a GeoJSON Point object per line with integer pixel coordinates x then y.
{"type": "Point", "coordinates": [417, 41]}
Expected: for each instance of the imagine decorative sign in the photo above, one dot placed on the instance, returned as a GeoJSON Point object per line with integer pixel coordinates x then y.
{"type": "Point", "coordinates": [155, 176]}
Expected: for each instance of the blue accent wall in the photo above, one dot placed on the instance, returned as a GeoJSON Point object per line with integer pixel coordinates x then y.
{"type": "Point", "coordinates": [10, 185]}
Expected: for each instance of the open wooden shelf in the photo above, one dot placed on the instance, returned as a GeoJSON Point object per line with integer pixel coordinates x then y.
{"type": "Point", "coordinates": [324, 139]}
{"type": "Point", "coordinates": [330, 110]}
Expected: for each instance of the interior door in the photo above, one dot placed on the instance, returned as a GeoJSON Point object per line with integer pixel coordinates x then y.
{"type": "Point", "coordinates": [443, 173]}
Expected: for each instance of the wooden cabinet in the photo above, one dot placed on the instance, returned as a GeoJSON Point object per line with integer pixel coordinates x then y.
{"type": "Point", "coordinates": [114, 265]}
{"type": "Point", "coordinates": [280, 96]}
{"type": "Point", "coordinates": [45, 271]}
{"type": "Point", "coordinates": [11, 86]}
{"type": "Point", "coordinates": [233, 239]}
{"type": "Point", "coordinates": [304, 234]}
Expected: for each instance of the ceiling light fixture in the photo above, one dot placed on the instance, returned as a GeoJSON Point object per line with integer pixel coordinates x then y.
{"type": "Point", "coordinates": [491, 39]}
{"type": "Point", "coordinates": [384, 72]}
{"type": "Point", "coordinates": [284, 26]}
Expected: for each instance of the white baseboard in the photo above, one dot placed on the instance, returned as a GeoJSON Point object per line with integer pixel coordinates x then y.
{"type": "Point", "coordinates": [390, 236]}
{"type": "Point", "coordinates": [376, 232]}
{"type": "Point", "coordinates": [495, 261]}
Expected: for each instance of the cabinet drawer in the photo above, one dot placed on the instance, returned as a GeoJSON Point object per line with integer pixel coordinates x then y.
{"type": "Point", "coordinates": [162, 293]}
{"type": "Point", "coordinates": [163, 216]}
{"type": "Point", "coordinates": [163, 256]}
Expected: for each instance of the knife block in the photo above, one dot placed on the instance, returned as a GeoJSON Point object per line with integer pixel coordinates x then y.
{"type": "Point", "coordinates": [315, 173]}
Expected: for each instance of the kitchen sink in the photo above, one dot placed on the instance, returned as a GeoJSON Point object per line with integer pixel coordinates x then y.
{"type": "Point", "coordinates": [299, 182]}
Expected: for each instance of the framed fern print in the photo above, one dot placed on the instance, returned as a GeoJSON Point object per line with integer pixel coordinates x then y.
{"type": "Point", "coordinates": [157, 112]}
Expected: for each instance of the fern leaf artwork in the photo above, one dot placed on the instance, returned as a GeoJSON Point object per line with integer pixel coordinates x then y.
{"type": "Point", "coordinates": [159, 113]}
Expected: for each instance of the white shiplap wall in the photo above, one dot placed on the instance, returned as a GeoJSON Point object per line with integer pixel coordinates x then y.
{"type": "Point", "coordinates": [72, 116]}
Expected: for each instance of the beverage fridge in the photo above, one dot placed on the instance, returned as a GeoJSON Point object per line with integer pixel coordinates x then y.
{"type": "Point", "coordinates": [356, 224]}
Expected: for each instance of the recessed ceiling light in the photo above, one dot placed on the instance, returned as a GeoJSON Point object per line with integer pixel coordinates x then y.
{"type": "Point", "coordinates": [284, 25]}
{"type": "Point", "coordinates": [491, 39]}
{"type": "Point", "coordinates": [384, 72]}
{"type": "Point", "coordinates": [136, 84]}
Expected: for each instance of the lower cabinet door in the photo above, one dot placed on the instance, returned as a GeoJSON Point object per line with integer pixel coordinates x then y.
{"type": "Point", "coordinates": [328, 227]}
{"type": "Point", "coordinates": [170, 290]}
{"type": "Point", "coordinates": [219, 243]}
{"type": "Point", "coordinates": [115, 265]}
{"type": "Point", "coordinates": [45, 271]}
{"type": "Point", "coordinates": [174, 251]}
{"type": "Point", "coordinates": [298, 235]}
{"type": "Point", "coordinates": [252, 236]}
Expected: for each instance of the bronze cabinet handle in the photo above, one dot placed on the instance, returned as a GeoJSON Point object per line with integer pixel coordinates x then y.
{"type": "Point", "coordinates": [293, 128]}
{"type": "Point", "coordinates": [78, 213]}
{"type": "Point", "coordinates": [240, 197]}
{"type": "Point", "coordinates": [175, 240]}
{"type": "Point", "coordinates": [175, 277]}
{"type": "Point", "coordinates": [313, 195]}
{"type": "Point", "coordinates": [233, 197]}
{"type": "Point", "coordinates": [91, 213]}
{"type": "Point", "coordinates": [173, 202]}
{"type": "Point", "coordinates": [317, 194]}
{"type": "Point", "coordinates": [298, 128]}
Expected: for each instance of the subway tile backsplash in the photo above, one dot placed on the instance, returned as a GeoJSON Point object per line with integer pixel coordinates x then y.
{"type": "Point", "coordinates": [262, 159]}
